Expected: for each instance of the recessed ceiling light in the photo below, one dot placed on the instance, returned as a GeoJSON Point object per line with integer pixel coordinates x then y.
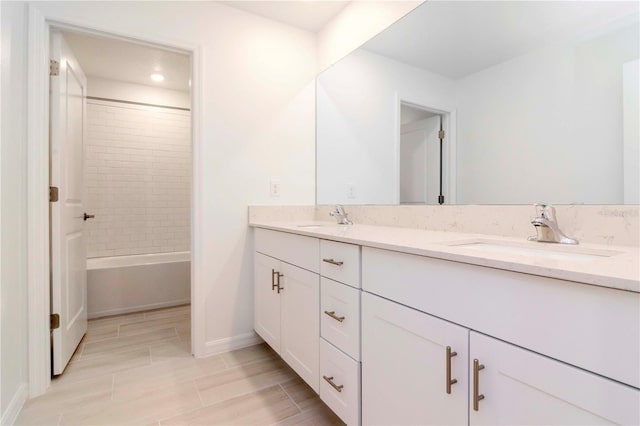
{"type": "Point", "coordinates": [157, 77]}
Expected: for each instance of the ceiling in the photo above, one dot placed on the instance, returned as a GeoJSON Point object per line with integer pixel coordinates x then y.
{"type": "Point", "coordinates": [305, 14]}
{"type": "Point", "coordinates": [130, 62]}
{"type": "Point", "coordinates": [458, 38]}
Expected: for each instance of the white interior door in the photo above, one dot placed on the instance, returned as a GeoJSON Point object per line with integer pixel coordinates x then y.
{"type": "Point", "coordinates": [68, 255]}
{"type": "Point", "coordinates": [420, 162]}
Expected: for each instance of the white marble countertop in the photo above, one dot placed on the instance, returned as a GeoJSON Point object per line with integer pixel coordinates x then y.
{"type": "Point", "coordinates": [612, 266]}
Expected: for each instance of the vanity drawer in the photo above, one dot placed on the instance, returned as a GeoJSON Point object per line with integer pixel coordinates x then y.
{"type": "Point", "coordinates": [295, 249]}
{"type": "Point", "coordinates": [340, 262]}
{"type": "Point", "coordinates": [340, 316]}
{"type": "Point", "coordinates": [340, 383]}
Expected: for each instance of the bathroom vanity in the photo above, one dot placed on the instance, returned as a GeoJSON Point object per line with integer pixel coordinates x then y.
{"type": "Point", "coordinates": [406, 326]}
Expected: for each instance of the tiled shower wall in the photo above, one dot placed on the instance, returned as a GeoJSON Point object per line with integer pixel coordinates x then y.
{"type": "Point", "coordinates": [138, 177]}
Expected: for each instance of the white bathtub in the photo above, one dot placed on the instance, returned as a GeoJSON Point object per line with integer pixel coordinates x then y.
{"type": "Point", "coordinates": [123, 284]}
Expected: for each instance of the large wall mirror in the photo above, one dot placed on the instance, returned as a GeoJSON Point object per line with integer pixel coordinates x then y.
{"type": "Point", "coordinates": [486, 103]}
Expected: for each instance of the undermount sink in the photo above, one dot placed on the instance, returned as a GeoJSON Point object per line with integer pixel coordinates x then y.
{"type": "Point", "coordinates": [317, 225]}
{"type": "Point", "coordinates": [540, 250]}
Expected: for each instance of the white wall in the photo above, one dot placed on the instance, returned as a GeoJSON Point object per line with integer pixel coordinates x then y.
{"type": "Point", "coordinates": [355, 24]}
{"type": "Point", "coordinates": [631, 133]}
{"type": "Point", "coordinates": [138, 178]}
{"type": "Point", "coordinates": [112, 89]}
{"type": "Point", "coordinates": [13, 278]}
{"type": "Point", "coordinates": [357, 118]}
{"type": "Point", "coordinates": [546, 126]}
{"type": "Point", "coordinates": [257, 124]}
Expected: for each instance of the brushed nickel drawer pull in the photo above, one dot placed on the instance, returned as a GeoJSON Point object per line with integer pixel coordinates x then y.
{"type": "Point", "coordinates": [273, 279]}
{"type": "Point", "coordinates": [333, 315]}
{"type": "Point", "coordinates": [278, 282]}
{"type": "Point", "coordinates": [477, 397]}
{"type": "Point", "coordinates": [333, 262]}
{"type": "Point", "coordinates": [450, 381]}
{"type": "Point", "coordinates": [331, 382]}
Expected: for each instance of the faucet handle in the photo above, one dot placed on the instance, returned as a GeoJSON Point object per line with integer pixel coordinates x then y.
{"type": "Point", "coordinates": [545, 210]}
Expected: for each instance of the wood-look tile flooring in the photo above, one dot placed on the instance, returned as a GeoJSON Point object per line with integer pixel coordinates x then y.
{"type": "Point", "coordinates": [137, 369]}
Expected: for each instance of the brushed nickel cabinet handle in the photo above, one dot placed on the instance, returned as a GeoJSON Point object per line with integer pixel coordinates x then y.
{"type": "Point", "coordinates": [333, 315]}
{"type": "Point", "coordinates": [332, 383]}
{"type": "Point", "coordinates": [273, 279]}
{"type": "Point", "coordinates": [333, 262]}
{"type": "Point", "coordinates": [278, 282]}
{"type": "Point", "coordinates": [477, 397]}
{"type": "Point", "coordinates": [450, 381]}
{"type": "Point", "coordinates": [88, 216]}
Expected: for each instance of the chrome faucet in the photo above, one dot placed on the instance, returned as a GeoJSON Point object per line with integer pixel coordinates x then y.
{"type": "Point", "coordinates": [547, 226]}
{"type": "Point", "coordinates": [341, 216]}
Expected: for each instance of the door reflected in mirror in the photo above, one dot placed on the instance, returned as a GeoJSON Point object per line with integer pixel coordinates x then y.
{"type": "Point", "coordinates": [421, 155]}
{"type": "Point", "coordinates": [539, 102]}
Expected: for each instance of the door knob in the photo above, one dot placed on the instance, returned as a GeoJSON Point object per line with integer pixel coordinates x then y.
{"type": "Point", "coordinates": [88, 216]}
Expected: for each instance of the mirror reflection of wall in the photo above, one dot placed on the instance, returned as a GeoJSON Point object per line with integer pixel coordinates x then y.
{"type": "Point", "coordinates": [538, 106]}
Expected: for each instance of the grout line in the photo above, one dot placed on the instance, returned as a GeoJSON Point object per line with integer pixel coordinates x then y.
{"type": "Point", "coordinates": [113, 385]}
{"type": "Point", "coordinates": [242, 394]}
{"type": "Point", "coordinates": [290, 397]}
{"type": "Point", "coordinates": [198, 392]}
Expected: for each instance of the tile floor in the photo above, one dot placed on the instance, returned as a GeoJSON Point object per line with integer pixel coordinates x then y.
{"type": "Point", "coordinates": [137, 369]}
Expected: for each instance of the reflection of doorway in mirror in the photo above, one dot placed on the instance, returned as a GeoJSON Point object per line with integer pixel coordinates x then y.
{"type": "Point", "coordinates": [420, 177]}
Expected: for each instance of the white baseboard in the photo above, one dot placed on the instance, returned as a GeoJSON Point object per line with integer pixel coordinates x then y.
{"type": "Point", "coordinates": [138, 308]}
{"type": "Point", "coordinates": [227, 344]}
{"type": "Point", "coordinates": [10, 415]}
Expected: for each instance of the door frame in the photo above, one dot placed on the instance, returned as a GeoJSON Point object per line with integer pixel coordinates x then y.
{"type": "Point", "coordinates": [38, 241]}
{"type": "Point", "coordinates": [449, 119]}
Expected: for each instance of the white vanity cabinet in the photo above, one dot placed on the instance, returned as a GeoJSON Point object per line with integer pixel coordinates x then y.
{"type": "Point", "coordinates": [287, 300]}
{"type": "Point", "coordinates": [387, 337]}
{"type": "Point", "coordinates": [407, 362]}
{"type": "Point", "coordinates": [562, 325]}
{"type": "Point", "coordinates": [414, 366]}
{"type": "Point", "coordinates": [522, 387]}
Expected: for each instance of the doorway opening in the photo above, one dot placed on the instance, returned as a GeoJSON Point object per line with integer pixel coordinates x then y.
{"type": "Point", "coordinates": [120, 173]}
{"type": "Point", "coordinates": [424, 156]}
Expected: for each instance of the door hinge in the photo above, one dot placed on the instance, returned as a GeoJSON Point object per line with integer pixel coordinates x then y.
{"type": "Point", "coordinates": [53, 194]}
{"type": "Point", "coordinates": [441, 134]}
{"type": "Point", "coordinates": [54, 67]}
{"type": "Point", "coordinates": [55, 321]}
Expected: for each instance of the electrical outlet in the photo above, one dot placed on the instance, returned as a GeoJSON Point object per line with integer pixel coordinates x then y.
{"type": "Point", "coordinates": [274, 188]}
{"type": "Point", "coordinates": [351, 191]}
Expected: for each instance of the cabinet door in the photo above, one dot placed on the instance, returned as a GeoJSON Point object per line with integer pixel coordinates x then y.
{"type": "Point", "coordinates": [266, 300]}
{"type": "Point", "coordinates": [522, 387]}
{"type": "Point", "coordinates": [301, 322]}
{"type": "Point", "coordinates": [404, 366]}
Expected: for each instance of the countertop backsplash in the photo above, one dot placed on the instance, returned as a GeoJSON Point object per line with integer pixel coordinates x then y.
{"type": "Point", "coordinates": [596, 224]}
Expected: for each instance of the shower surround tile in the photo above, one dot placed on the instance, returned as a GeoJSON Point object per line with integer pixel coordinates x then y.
{"type": "Point", "coordinates": [138, 178]}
